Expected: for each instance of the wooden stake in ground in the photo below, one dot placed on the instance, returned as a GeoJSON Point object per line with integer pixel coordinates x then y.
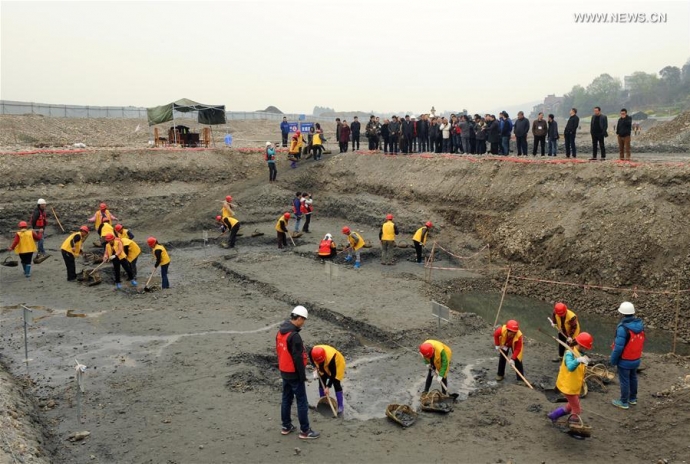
{"type": "Point", "coordinates": [430, 262]}
{"type": "Point", "coordinates": [56, 218]}
{"type": "Point", "coordinates": [500, 305]}
{"type": "Point", "coordinates": [516, 370]}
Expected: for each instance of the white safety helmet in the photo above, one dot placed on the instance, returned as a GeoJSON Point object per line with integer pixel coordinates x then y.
{"type": "Point", "coordinates": [626, 308]}
{"type": "Point", "coordinates": [41, 201]}
{"type": "Point", "coordinates": [328, 237]}
{"type": "Point", "coordinates": [300, 311]}
{"type": "Point", "coordinates": [268, 144]}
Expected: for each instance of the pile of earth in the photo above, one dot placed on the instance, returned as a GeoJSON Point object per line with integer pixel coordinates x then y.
{"type": "Point", "coordinates": [676, 132]}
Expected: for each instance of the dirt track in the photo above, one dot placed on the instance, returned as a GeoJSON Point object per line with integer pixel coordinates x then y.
{"type": "Point", "coordinates": [189, 375]}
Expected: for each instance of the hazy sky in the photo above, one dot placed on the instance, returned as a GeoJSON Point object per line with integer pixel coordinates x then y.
{"type": "Point", "coordinates": [349, 55]}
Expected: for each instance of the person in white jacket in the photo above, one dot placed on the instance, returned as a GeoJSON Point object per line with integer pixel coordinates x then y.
{"type": "Point", "coordinates": [445, 135]}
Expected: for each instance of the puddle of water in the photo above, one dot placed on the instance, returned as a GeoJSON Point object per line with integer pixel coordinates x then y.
{"type": "Point", "coordinates": [532, 315]}
{"type": "Point", "coordinates": [373, 382]}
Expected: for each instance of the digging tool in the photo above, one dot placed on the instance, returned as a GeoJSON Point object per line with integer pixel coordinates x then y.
{"type": "Point", "coordinates": [146, 287]}
{"type": "Point", "coordinates": [503, 295]}
{"type": "Point", "coordinates": [98, 267]}
{"type": "Point", "coordinates": [58, 220]}
{"type": "Point", "coordinates": [291, 239]}
{"type": "Point", "coordinates": [516, 370]}
{"type": "Point", "coordinates": [556, 327]}
{"type": "Point", "coordinates": [335, 414]}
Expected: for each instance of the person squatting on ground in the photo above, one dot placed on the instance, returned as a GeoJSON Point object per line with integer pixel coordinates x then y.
{"type": "Point", "coordinates": [306, 209]}
{"type": "Point", "coordinates": [419, 240]}
{"type": "Point", "coordinates": [282, 229]}
{"type": "Point", "coordinates": [567, 324]}
{"type": "Point", "coordinates": [626, 354]}
{"type": "Point", "coordinates": [103, 215]}
{"type": "Point", "coordinates": [162, 259]}
{"type": "Point", "coordinates": [228, 219]}
{"type": "Point", "coordinates": [623, 131]}
{"type": "Point", "coordinates": [292, 361]}
{"type": "Point", "coordinates": [356, 242]}
{"type": "Point", "coordinates": [327, 248]}
{"type": "Point", "coordinates": [271, 162]}
{"type": "Point", "coordinates": [39, 221]}
{"type": "Point", "coordinates": [598, 128]}
{"type": "Point", "coordinates": [437, 356]}
{"type": "Point", "coordinates": [24, 245]}
{"type": "Point", "coordinates": [297, 210]}
{"type": "Point", "coordinates": [571, 376]}
{"type": "Point", "coordinates": [508, 338]}
{"type": "Point", "coordinates": [330, 367]}
{"type": "Point", "coordinates": [387, 237]}
{"type": "Point", "coordinates": [71, 248]}
{"type": "Point", "coordinates": [115, 252]}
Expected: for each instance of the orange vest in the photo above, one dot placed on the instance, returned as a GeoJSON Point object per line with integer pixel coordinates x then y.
{"type": "Point", "coordinates": [285, 362]}
{"type": "Point", "coordinates": [325, 247]}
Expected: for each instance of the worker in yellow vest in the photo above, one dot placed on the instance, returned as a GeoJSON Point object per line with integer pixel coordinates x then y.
{"type": "Point", "coordinates": [282, 229]}
{"type": "Point", "coordinates": [230, 221]}
{"type": "Point", "coordinates": [329, 365]}
{"type": "Point", "coordinates": [387, 237]}
{"type": "Point", "coordinates": [295, 150]}
{"type": "Point", "coordinates": [419, 240]}
{"type": "Point", "coordinates": [508, 338]}
{"type": "Point", "coordinates": [71, 248]}
{"type": "Point", "coordinates": [565, 321]}
{"type": "Point", "coordinates": [132, 251]}
{"type": "Point", "coordinates": [571, 376]}
{"type": "Point", "coordinates": [437, 356]}
{"type": "Point", "coordinates": [115, 253]}
{"type": "Point", "coordinates": [106, 229]}
{"type": "Point", "coordinates": [122, 232]}
{"type": "Point", "coordinates": [102, 215]}
{"type": "Point", "coordinates": [24, 245]}
{"type": "Point", "coordinates": [356, 242]}
{"type": "Point", "coordinates": [162, 260]}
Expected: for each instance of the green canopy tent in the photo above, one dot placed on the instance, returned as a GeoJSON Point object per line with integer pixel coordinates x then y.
{"type": "Point", "coordinates": [207, 114]}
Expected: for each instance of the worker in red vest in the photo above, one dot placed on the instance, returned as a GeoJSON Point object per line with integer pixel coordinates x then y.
{"type": "Point", "coordinates": [327, 248]}
{"type": "Point", "coordinates": [39, 221]}
{"type": "Point", "coordinates": [292, 360]}
{"type": "Point", "coordinates": [509, 338]}
{"type": "Point", "coordinates": [626, 354]}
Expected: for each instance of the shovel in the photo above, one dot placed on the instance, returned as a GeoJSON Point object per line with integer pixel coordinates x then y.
{"type": "Point", "coordinates": [516, 370]}
{"type": "Point", "coordinates": [291, 239]}
{"type": "Point", "coordinates": [146, 287]}
{"type": "Point", "coordinates": [335, 414]}
{"type": "Point", "coordinates": [98, 267]}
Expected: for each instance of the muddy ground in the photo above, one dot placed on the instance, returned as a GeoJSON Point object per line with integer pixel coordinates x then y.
{"type": "Point", "coordinates": [189, 374]}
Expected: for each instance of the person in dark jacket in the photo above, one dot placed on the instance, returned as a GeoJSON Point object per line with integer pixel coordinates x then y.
{"type": "Point", "coordinates": [394, 135]}
{"type": "Point", "coordinates": [552, 136]}
{"type": "Point", "coordinates": [505, 126]}
{"type": "Point", "coordinates": [465, 129]}
{"type": "Point", "coordinates": [292, 362]}
{"type": "Point", "coordinates": [521, 129]}
{"type": "Point", "coordinates": [434, 136]}
{"type": "Point", "coordinates": [344, 136]}
{"type": "Point", "coordinates": [284, 131]}
{"type": "Point", "coordinates": [598, 128]}
{"type": "Point", "coordinates": [569, 133]}
{"type": "Point", "coordinates": [493, 133]}
{"type": "Point", "coordinates": [373, 130]}
{"type": "Point", "coordinates": [385, 135]}
{"type": "Point", "coordinates": [480, 134]}
{"type": "Point", "coordinates": [623, 131]}
{"type": "Point", "coordinates": [626, 354]}
{"type": "Point", "coordinates": [355, 129]}
{"type": "Point", "coordinates": [407, 130]}
{"type": "Point", "coordinates": [423, 133]}
{"type": "Point", "coordinates": [39, 221]}
{"type": "Point", "coordinates": [539, 130]}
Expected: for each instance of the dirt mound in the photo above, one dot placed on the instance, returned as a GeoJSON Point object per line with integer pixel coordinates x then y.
{"type": "Point", "coordinates": [675, 131]}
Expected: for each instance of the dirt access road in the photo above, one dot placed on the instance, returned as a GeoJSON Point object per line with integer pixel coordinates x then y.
{"type": "Point", "coordinates": [188, 375]}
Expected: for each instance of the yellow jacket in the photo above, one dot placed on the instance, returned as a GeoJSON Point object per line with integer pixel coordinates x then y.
{"type": "Point", "coordinates": [356, 240]}
{"type": "Point", "coordinates": [230, 221]}
{"type": "Point", "coordinates": [100, 216]}
{"type": "Point", "coordinates": [133, 250]}
{"type": "Point", "coordinates": [331, 353]}
{"type": "Point", "coordinates": [107, 229]}
{"type": "Point", "coordinates": [282, 222]}
{"type": "Point", "coordinates": [570, 382]}
{"type": "Point", "coordinates": [67, 245]}
{"type": "Point", "coordinates": [26, 244]}
{"type": "Point", "coordinates": [388, 231]}
{"type": "Point", "coordinates": [165, 258]}
{"type": "Point", "coordinates": [421, 235]}
{"type": "Point", "coordinates": [115, 248]}
{"type": "Point", "coordinates": [569, 324]}
{"type": "Point", "coordinates": [316, 140]}
{"type": "Point", "coordinates": [296, 145]}
{"type": "Point", "coordinates": [439, 365]}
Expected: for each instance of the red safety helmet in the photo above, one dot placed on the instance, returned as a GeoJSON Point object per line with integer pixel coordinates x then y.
{"type": "Point", "coordinates": [585, 340]}
{"type": "Point", "coordinates": [151, 241]}
{"type": "Point", "coordinates": [298, 133]}
{"type": "Point", "coordinates": [84, 229]}
{"type": "Point", "coordinates": [228, 198]}
{"type": "Point", "coordinates": [23, 225]}
{"type": "Point", "coordinates": [429, 224]}
{"type": "Point", "coordinates": [389, 217]}
{"type": "Point", "coordinates": [118, 227]}
{"type": "Point", "coordinates": [218, 218]}
{"type": "Point", "coordinates": [513, 325]}
{"type": "Point", "coordinates": [560, 309]}
{"type": "Point", "coordinates": [427, 350]}
{"type": "Point", "coordinates": [286, 215]}
{"type": "Point", "coordinates": [346, 230]}
{"type": "Point", "coordinates": [109, 237]}
{"type": "Point", "coordinates": [318, 354]}
{"type": "Point", "coordinates": [103, 206]}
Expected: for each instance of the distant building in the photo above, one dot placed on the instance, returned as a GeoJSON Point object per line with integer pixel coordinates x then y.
{"type": "Point", "coordinates": [551, 104]}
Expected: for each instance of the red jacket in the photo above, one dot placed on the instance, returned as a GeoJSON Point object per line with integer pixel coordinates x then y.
{"type": "Point", "coordinates": [344, 134]}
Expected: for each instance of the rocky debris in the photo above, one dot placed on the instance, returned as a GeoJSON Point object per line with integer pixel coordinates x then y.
{"type": "Point", "coordinates": [676, 131]}
{"type": "Point", "coordinates": [78, 436]}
